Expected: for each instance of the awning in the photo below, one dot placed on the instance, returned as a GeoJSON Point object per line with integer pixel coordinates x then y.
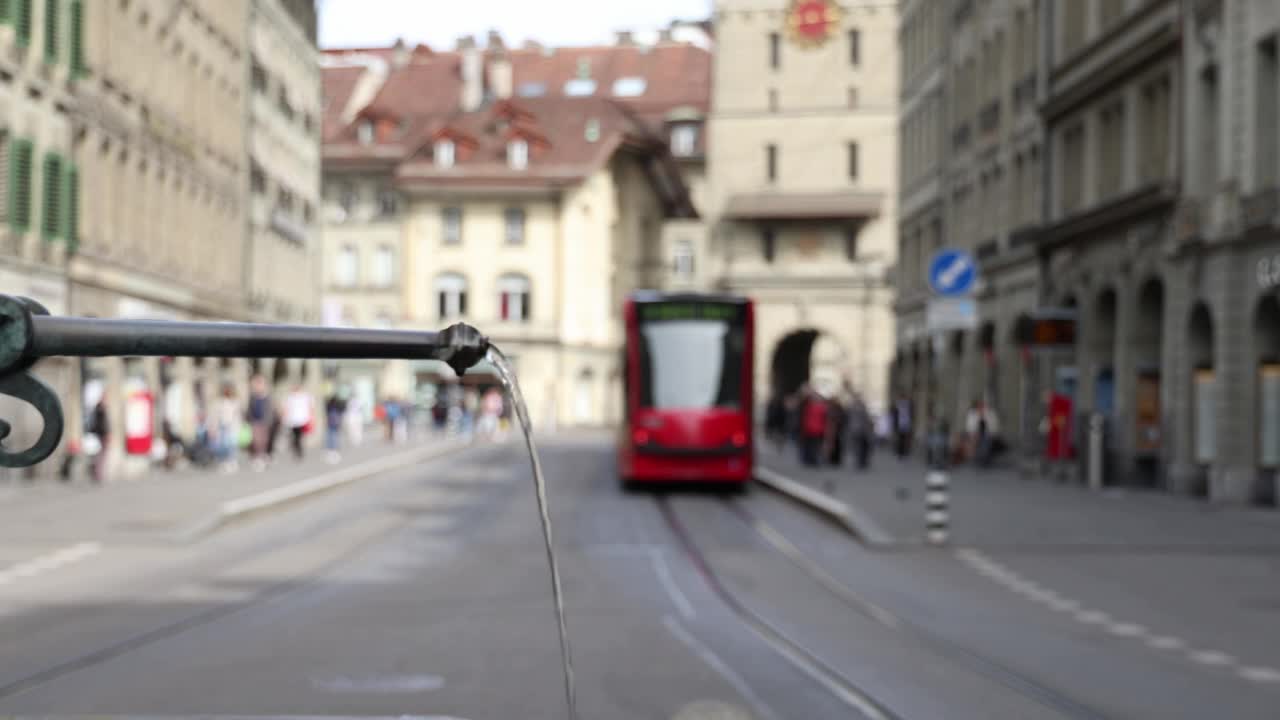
{"type": "Point", "coordinates": [438, 371]}
{"type": "Point", "coordinates": [846, 205]}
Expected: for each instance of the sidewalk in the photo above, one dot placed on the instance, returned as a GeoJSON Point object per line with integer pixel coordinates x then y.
{"type": "Point", "coordinates": [999, 508]}
{"type": "Point", "coordinates": [165, 506]}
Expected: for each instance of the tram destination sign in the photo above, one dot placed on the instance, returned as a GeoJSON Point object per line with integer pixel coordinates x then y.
{"type": "Point", "coordinates": [672, 311]}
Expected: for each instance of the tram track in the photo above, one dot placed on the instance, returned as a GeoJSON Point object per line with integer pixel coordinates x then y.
{"type": "Point", "coordinates": [821, 670]}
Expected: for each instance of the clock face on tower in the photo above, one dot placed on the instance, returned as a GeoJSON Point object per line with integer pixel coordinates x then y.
{"type": "Point", "coordinates": [811, 23]}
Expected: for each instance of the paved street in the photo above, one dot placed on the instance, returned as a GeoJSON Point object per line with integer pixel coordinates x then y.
{"type": "Point", "coordinates": [423, 590]}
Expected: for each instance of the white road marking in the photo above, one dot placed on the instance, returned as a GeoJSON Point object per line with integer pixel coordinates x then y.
{"type": "Point", "coordinates": [1166, 642]}
{"type": "Point", "coordinates": [1260, 674]}
{"type": "Point", "coordinates": [1126, 629]}
{"type": "Point", "coordinates": [663, 571]}
{"type": "Point", "coordinates": [1001, 575]}
{"type": "Point", "coordinates": [1211, 657]}
{"type": "Point", "coordinates": [708, 656]}
{"type": "Point", "coordinates": [49, 561]}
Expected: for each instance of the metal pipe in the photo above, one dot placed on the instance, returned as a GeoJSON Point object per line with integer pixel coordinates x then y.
{"type": "Point", "coordinates": [96, 337]}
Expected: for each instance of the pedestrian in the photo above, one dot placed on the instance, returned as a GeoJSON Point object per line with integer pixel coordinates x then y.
{"type": "Point", "coordinates": [353, 420]}
{"type": "Point", "coordinates": [334, 410]}
{"type": "Point", "coordinates": [298, 415]}
{"type": "Point", "coordinates": [273, 429]}
{"type": "Point", "coordinates": [981, 427]}
{"type": "Point", "coordinates": [259, 415]}
{"type": "Point", "coordinates": [392, 414]}
{"type": "Point", "coordinates": [902, 427]}
{"type": "Point", "coordinates": [813, 428]}
{"type": "Point", "coordinates": [228, 419]}
{"type": "Point", "coordinates": [860, 431]}
{"type": "Point", "coordinates": [440, 413]}
{"type": "Point", "coordinates": [490, 412]}
{"type": "Point", "coordinates": [100, 431]}
{"type": "Point", "coordinates": [400, 426]}
{"type": "Point", "coordinates": [837, 426]}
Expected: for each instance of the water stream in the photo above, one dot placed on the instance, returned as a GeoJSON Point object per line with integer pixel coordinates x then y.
{"type": "Point", "coordinates": [508, 377]}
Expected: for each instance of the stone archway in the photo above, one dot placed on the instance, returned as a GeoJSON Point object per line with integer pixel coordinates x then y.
{"type": "Point", "coordinates": [1204, 395]}
{"type": "Point", "coordinates": [808, 356]}
{"type": "Point", "coordinates": [1266, 340]}
{"type": "Point", "coordinates": [1147, 342]}
{"type": "Point", "coordinates": [1102, 348]}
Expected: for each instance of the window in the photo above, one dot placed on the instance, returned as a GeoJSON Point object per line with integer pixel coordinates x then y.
{"type": "Point", "coordinates": [629, 86]}
{"type": "Point", "coordinates": [78, 67]}
{"type": "Point", "coordinates": [257, 179]}
{"type": "Point", "coordinates": [347, 198]}
{"type": "Point", "coordinates": [22, 22]}
{"type": "Point", "coordinates": [51, 224]}
{"type": "Point", "coordinates": [682, 259]}
{"type": "Point", "coordinates": [513, 297]}
{"type": "Point", "coordinates": [579, 87]}
{"type": "Point", "coordinates": [1072, 168]}
{"type": "Point", "coordinates": [684, 139]}
{"type": "Point", "coordinates": [347, 270]}
{"type": "Point", "coordinates": [855, 49]}
{"type": "Point", "coordinates": [592, 130]}
{"type": "Point", "coordinates": [451, 295]}
{"type": "Point", "coordinates": [1073, 25]}
{"type": "Point", "coordinates": [850, 244]}
{"type": "Point", "coordinates": [853, 160]}
{"type": "Point", "coordinates": [71, 207]}
{"type": "Point", "coordinates": [773, 100]}
{"type": "Point", "coordinates": [1208, 144]}
{"type": "Point", "coordinates": [1111, 150]}
{"type": "Point", "coordinates": [51, 30]}
{"type": "Point", "coordinates": [388, 202]}
{"type": "Point", "coordinates": [513, 224]}
{"type": "Point", "coordinates": [283, 104]}
{"type": "Point", "coordinates": [364, 132]}
{"type": "Point", "coordinates": [771, 162]}
{"type": "Point", "coordinates": [1266, 97]}
{"type": "Point", "coordinates": [768, 244]}
{"type": "Point", "coordinates": [775, 50]}
{"type": "Point", "coordinates": [384, 266]}
{"type": "Point", "coordinates": [258, 76]}
{"type": "Point", "coordinates": [444, 153]}
{"type": "Point", "coordinates": [20, 160]}
{"type": "Point", "coordinates": [518, 154]}
{"type": "Point", "coordinates": [451, 225]}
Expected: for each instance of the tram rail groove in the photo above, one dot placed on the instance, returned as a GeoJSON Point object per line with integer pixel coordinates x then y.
{"type": "Point", "coordinates": [941, 646]}
{"type": "Point", "coordinates": [805, 660]}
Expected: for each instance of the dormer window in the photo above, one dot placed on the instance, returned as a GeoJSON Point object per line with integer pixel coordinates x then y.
{"type": "Point", "coordinates": [629, 87]}
{"type": "Point", "coordinates": [444, 153]}
{"type": "Point", "coordinates": [518, 154]}
{"type": "Point", "coordinates": [684, 139]}
{"type": "Point", "coordinates": [364, 132]}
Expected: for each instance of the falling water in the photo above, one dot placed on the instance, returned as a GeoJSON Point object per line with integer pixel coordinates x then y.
{"type": "Point", "coordinates": [499, 361]}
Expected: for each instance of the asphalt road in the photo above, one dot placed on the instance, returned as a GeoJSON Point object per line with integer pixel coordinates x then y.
{"type": "Point", "coordinates": [424, 592]}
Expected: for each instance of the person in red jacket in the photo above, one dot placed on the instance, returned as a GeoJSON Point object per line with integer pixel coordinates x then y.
{"type": "Point", "coordinates": [814, 416]}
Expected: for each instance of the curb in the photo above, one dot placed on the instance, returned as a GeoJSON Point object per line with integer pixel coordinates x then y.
{"type": "Point", "coordinates": [858, 523]}
{"type": "Point", "coordinates": [239, 508]}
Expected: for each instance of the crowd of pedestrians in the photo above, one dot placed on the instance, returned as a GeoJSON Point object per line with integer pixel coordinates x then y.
{"type": "Point", "coordinates": [825, 428]}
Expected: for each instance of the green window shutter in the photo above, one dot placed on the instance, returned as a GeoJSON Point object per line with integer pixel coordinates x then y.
{"type": "Point", "coordinates": [6, 11]}
{"type": "Point", "coordinates": [20, 185]}
{"type": "Point", "coordinates": [71, 207]}
{"type": "Point", "coordinates": [6, 177]}
{"type": "Point", "coordinates": [78, 66]}
{"type": "Point", "coordinates": [22, 22]}
{"type": "Point", "coordinates": [51, 8]}
{"type": "Point", "coordinates": [50, 219]}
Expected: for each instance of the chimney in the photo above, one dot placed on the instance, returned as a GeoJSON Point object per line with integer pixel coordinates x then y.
{"type": "Point", "coordinates": [664, 35]}
{"type": "Point", "coordinates": [532, 44]}
{"type": "Point", "coordinates": [399, 53]}
{"type": "Point", "coordinates": [465, 42]}
{"type": "Point", "coordinates": [472, 78]}
{"type": "Point", "coordinates": [495, 41]}
{"type": "Point", "coordinates": [500, 75]}
{"type": "Point", "coordinates": [624, 38]}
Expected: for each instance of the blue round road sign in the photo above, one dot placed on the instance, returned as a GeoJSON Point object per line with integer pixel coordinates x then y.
{"type": "Point", "coordinates": [952, 272]}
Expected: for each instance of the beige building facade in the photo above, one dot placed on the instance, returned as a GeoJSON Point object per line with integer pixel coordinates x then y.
{"type": "Point", "coordinates": [801, 200]}
{"type": "Point", "coordinates": [527, 193]}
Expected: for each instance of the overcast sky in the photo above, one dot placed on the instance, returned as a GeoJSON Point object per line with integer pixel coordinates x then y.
{"type": "Point", "coordinates": [365, 23]}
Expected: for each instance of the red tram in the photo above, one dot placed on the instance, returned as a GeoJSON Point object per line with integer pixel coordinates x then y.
{"type": "Point", "coordinates": [688, 389]}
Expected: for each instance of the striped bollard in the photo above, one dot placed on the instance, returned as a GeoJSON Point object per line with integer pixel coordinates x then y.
{"type": "Point", "coordinates": [935, 501]}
